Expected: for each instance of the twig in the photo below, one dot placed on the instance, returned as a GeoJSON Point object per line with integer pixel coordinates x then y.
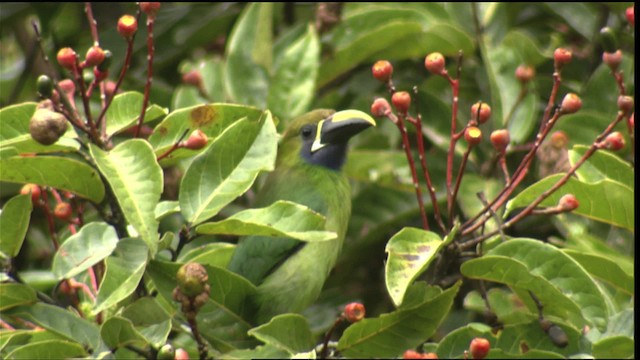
{"type": "Point", "coordinates": [147, 88]}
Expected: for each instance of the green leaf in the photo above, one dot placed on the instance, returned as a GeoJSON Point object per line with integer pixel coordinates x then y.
{"type": "Point", "coordinates": [602, 165]}
{"type": "Point", "coordinates": [289, 332]}
{"type": "Point", "coordinates": [505, 304]}
{"type": "Point", "coordinates": [137, 181]}
{"type": "Point", "coordinates": [227, 168]}
{"type": "Point", "coordinates": [607, 201]}
{"type": "Point", "coordinates": [57, 172]}
{"type": "Point", "coordinates": [61, 321]}
{"type": "Point", "coordinates": [94, 242]}
{"type": "Point", "coordinates": [118, 332]}
{"type": "Point", "coordinates": [260, 352]}
{"type": "Point", "coordinates": [513, 336]}
{"type": "Point", "coordinates": [390, 334]}
{"type": "Point", "coordinates": [282, 218]}
{"type": "Point", "coordinates": [604, 269]}
{"type": "Point", "coordinates": [212, 119]}
{"type": "Point", "coordinates": [249, 56]}
{"type": "Point", "coordinates": [410, 251]}
{"type": "Point", "coordinates": [563, 287]}
{"type": "Point", "coordinates": [150, 319]}
{"type": "Point", "coordinates": [12, 295]}
{"type": "Point", "coordinates": [125, 110]}
{"type": "Point", "coordinates": [221, 320]}
{"type": "Point", "coordinates": [582, 17]}
{"type": "Point", "coordinates": [124, 269]}
{"type": "Point", "coordinates": [457, 341]}
{"type": "Point", "coordinates": [49, 349]}
{"type": "Point", "coordinates": [14, 222]}
{"type": "Point", "coordinates": [215, 254]}
{"type": "Point", "coordinates": [166, 208]}
{"type": "Point", "coordinates": [14, 132]}
{"type": "Point", "coordinates": [294, 79]}
{"type": "Point", "coordinates": [616, 347]}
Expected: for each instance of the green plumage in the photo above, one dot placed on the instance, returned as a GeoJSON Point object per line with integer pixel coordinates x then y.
{"type": "Point", "coordinates": [290, 274]}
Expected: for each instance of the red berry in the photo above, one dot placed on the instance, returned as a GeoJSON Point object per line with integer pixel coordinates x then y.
{"type": "Point", "coordinates": [614, 141]}
{"type": "Point", "coordinates": [435, 63]}
{"type": "Point", "coordinates": [67, 86]}
{"type": "Point", "coordinates": [631, 17]}
{"type": "Point", "coordinates": [430, 355]}
{"type": "Point", "coordinates": [401, 100]}
{"type": "Point", "coordinates": [479, 348]}
{"type": "Point", "coordinates": [354, 312]}
{"type": "Point", "coordinates": [197, 140]}
{"type": "Point", "coordinates": [500, 139]}
{"type": "Point", "coordinates": [411, 354]}
{"type": "Point", "coordinates": [109, 88]}
{"type": "Point", "coordinates": [32, 189]}
{"type": "Point", "coordinates": [524, 73]}
{"type": "Point", "coordinates": [559, 139]}
{"type": "Point", "coordinates": [127, 26]}
{"type": "Point", "coordinates": [625, 104]}
{"type": "Point", "coordinates": [632, 121]}
{"type": "Point", "coordinates": [100, 75]}
{"type": "Point", "coordinates": [568, 202]}
{"type": "Point", "coordinates": [382, 70]}
{"type": "Point", "coordinates": [63, 211]}
{"type": "Point", "coordinates": [571, 103]}
{"type": "Point", "coordinates": [561, 57]}
{"type": "Point", "coordinates": [67, 58]}
{"type": "Point", "coordinates": [480, 112]}
{"type": "Point", "coordinates": [473, 135]}
{"type": "Point", "coordinates": [150, 8]}
{"type": "Point", "coordinates": [380, 107]}
{"type": "Point", "coordinates": [181, 354]}
{"type": "Point", "coordinates": [95, 56]}
{"type": "Point", "coordinates": [193, 78]}
{"type": "Point", "coordinates": [613, 60]}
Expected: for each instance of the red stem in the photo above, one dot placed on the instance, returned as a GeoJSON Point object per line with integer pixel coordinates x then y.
{"type": "Point", "coordinates": [528, 210]}
{"type": "Point", "coordinates": [414, 174]}
{"type": "Point", "coordinates": [463, 164]}
{"type": "Point", "coordinates": [452, 142]}
{"type": "Point", "coordinates": [147, 88]}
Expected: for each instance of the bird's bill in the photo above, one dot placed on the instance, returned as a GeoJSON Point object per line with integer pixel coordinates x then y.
{"type": "Point", "coordinates": [340, 127]}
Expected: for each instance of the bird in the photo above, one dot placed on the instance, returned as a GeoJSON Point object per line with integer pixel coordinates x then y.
{"type": "Point", "coordinates": [289, 274]}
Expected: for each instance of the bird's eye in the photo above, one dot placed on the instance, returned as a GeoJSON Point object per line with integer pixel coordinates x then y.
{"type": "Point", "coordinates": [306, 132]}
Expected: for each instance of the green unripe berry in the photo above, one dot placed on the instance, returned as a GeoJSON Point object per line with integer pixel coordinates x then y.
{"type": "Point", "coordinates": [44, 86]}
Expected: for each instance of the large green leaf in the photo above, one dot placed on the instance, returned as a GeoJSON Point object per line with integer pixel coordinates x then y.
{"type": "Point", "coordinates": [118, 332]}
{"type": "Point", "coordinates": [12, 295]}
{"type": "Point", "coordinates": [48, 349]}
{"type": "Point", "coordinates": [615, 347]}
{"type": "Point", "coordinates": [604, 269]}
{"type": "Point", "coordinates": [249, 56]}
{"type": "Point", "coordinates": [294, 79]}
{"type": "Point", "coordinates": [457, 341]}
{"type": "Point", "coordinates": [221, 320]}
{"type": "Point", "coordinates": [602, 165]}
{"type": "Point", "coordinates": [14, 132]}
{"type": "Point", "coordinates": [61, 321]}
{"type": "Point", "coordinates": [125, 110]}
{"type": "Point", "coordinates": [136, 179]}
{"type": "Point", "coordinates": [606, 200]}
{"type": "Point", "coordinates": [212, 119]}
{"type": "Point", "coordinates": [564, 288]}
{"type": "Point", "coordinates": [289, 332]}
{"type": "Point", "coordinates": [150, 319]}
{"type": "Point", "coordinates": [124, 269]}
{"type": "Point", "coordinates": [389, 335]}
{"type": "Point", "coordinates": [227, 168]}
{"type": "Point", "coordinates": [410, 251]}
{"type": "Point", "coordinates": [57, 172]}
{"type": "Point", "coordinates": [14, 222]}
{"type": "Point", "coordinates": [214, 254]}
{"type": "Point", "coordinates": [94, 242]}
{"type": "Point", "coordinates": [513, 337]}
{"type": "Point", "coordinates": [282, 218]}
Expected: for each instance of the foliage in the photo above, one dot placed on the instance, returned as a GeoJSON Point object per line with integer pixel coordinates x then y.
{"type": "Point", "coordinates": [100, 282]}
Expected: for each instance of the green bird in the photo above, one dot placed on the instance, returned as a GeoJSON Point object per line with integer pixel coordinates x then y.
{"type": "Point", "coordinates": [289, 274]}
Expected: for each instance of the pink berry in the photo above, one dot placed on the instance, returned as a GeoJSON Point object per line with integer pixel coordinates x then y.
{"type": "Point", "coordinates": [354, 312]}
{"type": "Point", "coordinates": [382, 70]}
{"type": "Point", "coordinates": [473, 135]}
{"type": "Point", "coordinates": [127, 26]}
{"type": "Point", "coordinates": [197, 140]}
{"type": "Point", "coordinates": [401, 100]}
{"type": "Point", "coordinates": [480, 112]}
{"type": "Point", "coordinates": [479, 348]}
{"type": "Point", "coordinates": [95, 56]}
{"type": "Point", "coordinates": [568, 202]}
{"type": "Point", "coordinates": [613, 60]}
{"type": "Point", "coordinates": [66, 58]}
{"type": "Point", "coordinates": [435, 63]}
{"type": "Point", "coordinates": [524, 73]}
{"type": "Point", "coordinates": [380, 107]}
{"type": "Point", "coordinates": [561, 56]}
{"type": "Point", "coordinates": [614, 141]}
{"type": "Point", "coordinates": [631, 17]}
{"type": "Point", "coordinates": [500, 139]}
{"type": "Point", "coordinates": [571, 103]}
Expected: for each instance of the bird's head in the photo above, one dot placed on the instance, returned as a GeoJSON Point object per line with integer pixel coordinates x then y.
{"type": "Point", "coordinates": [320, 137]}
